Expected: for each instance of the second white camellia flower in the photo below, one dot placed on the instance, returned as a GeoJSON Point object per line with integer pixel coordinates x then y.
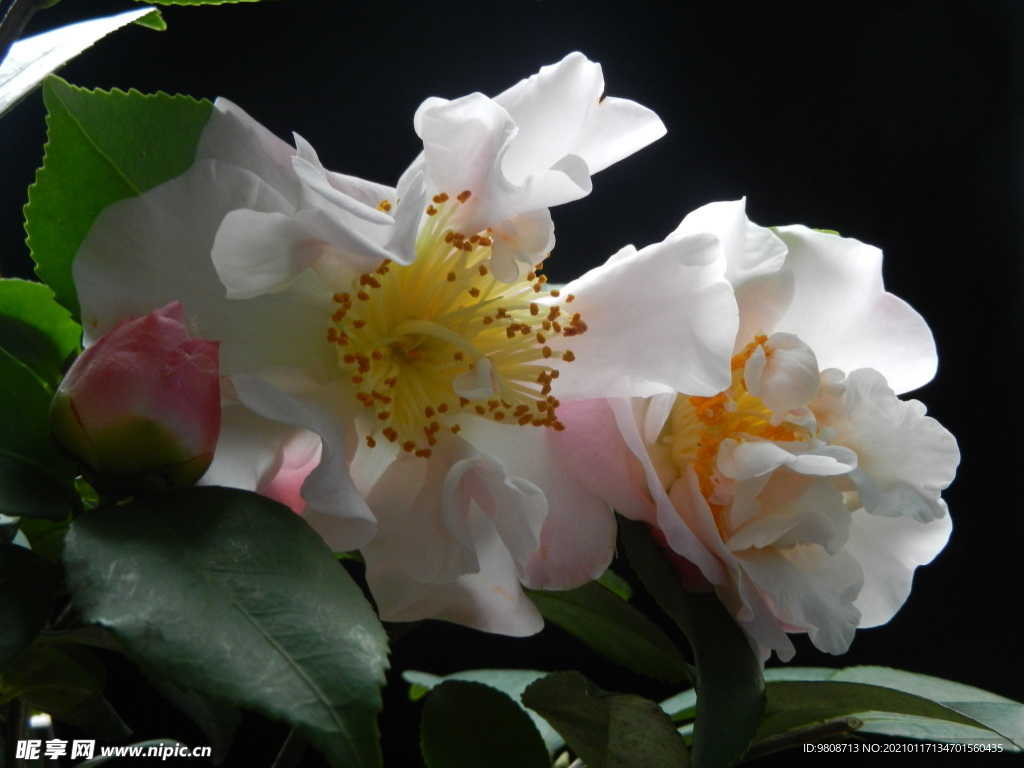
{"type": "Point", "coordinates": [804, 491]}
{"type": "Point", "coordinates": [392, 353]}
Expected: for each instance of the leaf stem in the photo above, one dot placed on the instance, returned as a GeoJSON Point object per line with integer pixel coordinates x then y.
{"type": "Point", "coordinates": [811, 733]}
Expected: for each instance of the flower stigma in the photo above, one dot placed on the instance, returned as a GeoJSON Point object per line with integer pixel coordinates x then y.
{"type": "Point", "coordinates": [432, 342]}
{"type": "Point", "coordinates": [697, 426]}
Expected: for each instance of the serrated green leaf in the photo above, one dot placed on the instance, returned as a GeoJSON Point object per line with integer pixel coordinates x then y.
{"type": "Point", "coordinates": [511, 682]}
{"type": "Point", "coordinates": [26, 594]}
{"type": "Point", "coordinates": [34, 477]}
{"type": "Point", "coordinates": [607, 730]}
{"type": "Point", "coordinates": [613, 628]}
{"type": "Point", "coordinates": [153, 20]}
{"type": "Point", "coordinates": [235, 597]}
{"type": "Point", "coordinates": [468, 725]}
{"type": "Point", "coordinates": [101, 147]}
{"type": "Point", "coordinates": [37, 330]}
{"type": "Point", "coordinates": [729, 683]}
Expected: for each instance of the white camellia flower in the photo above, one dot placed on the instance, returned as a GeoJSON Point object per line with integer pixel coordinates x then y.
{"type": "Point", "coordinates": [391, 354]}
{"type": "Point", "coordinates": [804, 492]}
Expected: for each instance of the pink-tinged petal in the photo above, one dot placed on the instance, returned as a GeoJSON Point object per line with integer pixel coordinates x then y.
{"type": "Point", "coordinates": [138, 256]}
{"type": "Point", "coordinates": [418, 567]}
{"type": "Point", "coordinates": [491, 600]}
{"type": "Point", "coordinates": [661, 320]}
{"type": "Point", "coordinates": [889, 549]}
{"type": "Point", "coordinates": [577, 540]}
{"type": "Point", "coordinates": [562, 110]}
{"type": "Point", "coordinates": [516, 507]}
{"type": "Point", "coordinates": [841, 310]}
{"type": "Point", "coordinates": [823, 604]}
{"type": "Point", "coordinates": [297, 458]}
{"type": "Point", "coordinates": [333, 506]}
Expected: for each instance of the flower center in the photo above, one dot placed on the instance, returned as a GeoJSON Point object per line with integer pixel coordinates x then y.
{"type": "Point", "coordinates": [427, 344]}
{"type": "Point", "coordinates": [698, 425]}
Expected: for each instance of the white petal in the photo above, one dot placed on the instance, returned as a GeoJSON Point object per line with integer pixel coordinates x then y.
{"type": "Point", "coordinates": [783, 373]}
{"type": "Point", "coordinates": [889, 549]}
{"type": "Point", "coordinates": [908, 458]}
{"type": "Point", "coordinates": [661, 320]}
{"type": "Point", "coordinates": [562, 110]}
{"type": "Point", "coordinates": [751, 251]}
{"type": "Point", "coordinates": [232, 137]}
{"type": "Point", "coordinates": [147, 251]}
{"type": "Point", "coordinates": [841, 310]}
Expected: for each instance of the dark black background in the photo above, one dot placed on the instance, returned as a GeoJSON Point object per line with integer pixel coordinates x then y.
{"type": "Point", "coordinates": [898, 123]}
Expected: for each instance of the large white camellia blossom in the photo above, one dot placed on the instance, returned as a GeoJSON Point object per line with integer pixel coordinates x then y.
{"type": "Point", "coordinates": [391, 356]}
{"type": "Point", "coordinates": [804, 492]}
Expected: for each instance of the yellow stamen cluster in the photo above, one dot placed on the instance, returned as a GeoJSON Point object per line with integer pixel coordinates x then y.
{"type": "Point", "coordinates": [428, 343]}
{"type": "Point", "coordinates": [698, 425]}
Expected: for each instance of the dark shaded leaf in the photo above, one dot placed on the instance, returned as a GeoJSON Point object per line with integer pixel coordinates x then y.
{"type": "Point", "coordinates": [613, 628]}
{"type": "Point", "coordinates": [26, 596]}
{"type": "Point", "coordinates": [235, 597]}
{"type": "Point", "coordinates": [729, 684]}
{"type": "Point", "coordinates": [607, 730]}
{"type": "Point", "coordinates": [468, 725]}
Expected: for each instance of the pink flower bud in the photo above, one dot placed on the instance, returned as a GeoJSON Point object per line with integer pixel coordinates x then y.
{"type": "Point", "coordinates": [140, 408]}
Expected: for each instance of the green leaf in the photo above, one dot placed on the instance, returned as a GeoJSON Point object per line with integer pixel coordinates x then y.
{"type": "Point", "coordinates": [616, 584]}
{"type": "Point", "coordinates": [729, 684]}
{"type": "Point", "coordinates": [37, 330]}
{"type": "Point", "coordinates": [795, 703]}
{"type": "Point", "coordinates": [26, 595]}
{"type": "Point", "coordinates": [27, 492]}
{"type": "Point", "coordinates": [102, 147]}
{"type": "Point", "coordinates": [936, 710]}
{"type": "Point", "coordinates": [235, 597]}
{"type": "Point", "coordinates": [153, 20]}
{"type": "Point", "coordinates": [468, 725]}
{"type": "Point", "coordinates": [35, 479]}
{"type": "Point", "coordinates": [607, 730]}
{"type": "Point", "coordinates": [511, 682]}
{"type": "Point", "coordinates": [613, 628]}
